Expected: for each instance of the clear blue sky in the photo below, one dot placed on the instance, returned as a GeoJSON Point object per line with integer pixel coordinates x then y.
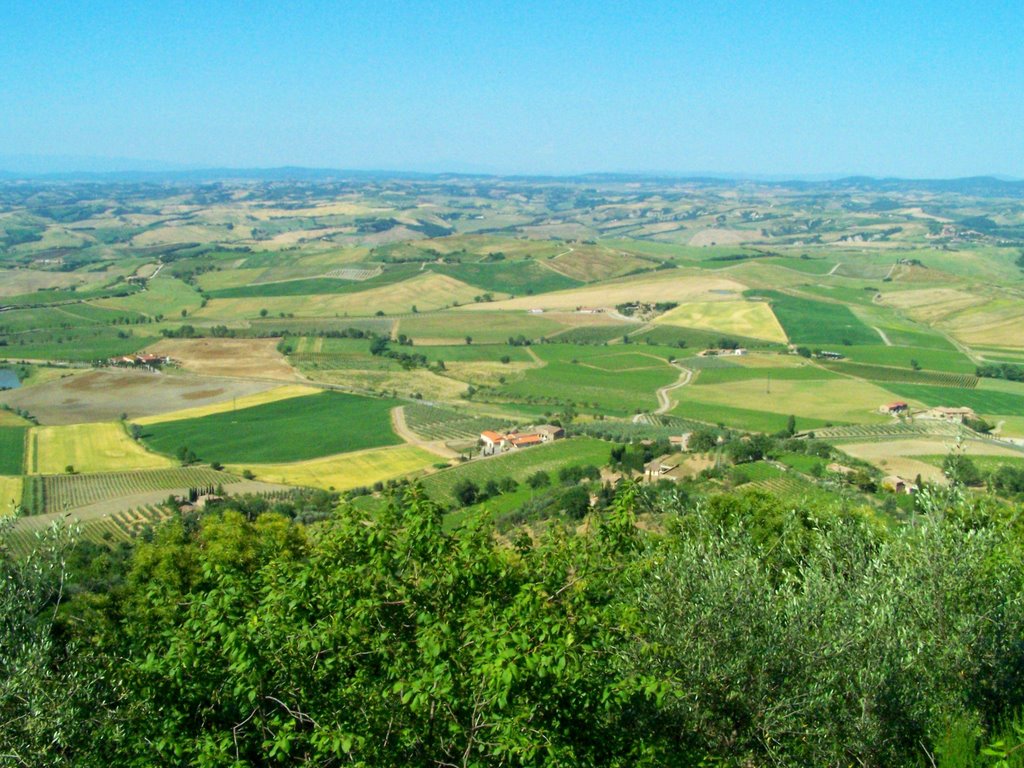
{"type": "Point", "coordinates": [885, 88]}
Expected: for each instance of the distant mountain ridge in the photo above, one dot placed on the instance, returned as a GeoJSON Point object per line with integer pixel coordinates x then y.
{"type": "Point", "coordinates": [987, 186]}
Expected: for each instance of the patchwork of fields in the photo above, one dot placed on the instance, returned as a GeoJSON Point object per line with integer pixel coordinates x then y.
{"type": "Point", "coordinates": [503, 303]}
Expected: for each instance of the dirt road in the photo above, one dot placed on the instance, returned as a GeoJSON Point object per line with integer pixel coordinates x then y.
{"type": "Point", "coordinates": [402, 429]}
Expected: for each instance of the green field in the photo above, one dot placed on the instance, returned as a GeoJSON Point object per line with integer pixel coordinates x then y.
{"type": "Point", "coordinates": [903, 375]}
{"type": "Point", "coordinates": [724, 375]}
{"type": "Point", "coordinates": [315, 285]}
{"type": "Point", "coordinates": [12, 450]}
{"type": "Point", "coordinates": [483, 327]}
{"type": "Point", "coordinates": [519, 464]}
{"type": "Point", "coordinates": [951, 361]}
{"type": "Point", "coordinates": [620, 382]}
{"type": "Point", "coordinates": [981, 400]}
{"type": "Point", "coordinates": [514, 277]}
{"type": "Point", "coordinates": [296, 429]}
{"type": "Point", "coordinates": [79, 344]}
{"type": "Point", "coordinates": [817, 322]}
{"type": "Point", "coordinates": [742, 418]}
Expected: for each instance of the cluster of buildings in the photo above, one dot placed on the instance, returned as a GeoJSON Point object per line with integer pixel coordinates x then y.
{"type": "Point", "coordinates": [140, 360]}
{"type": "Point", "coordinates": [959, 414]}
{"type": "Point", "coordinates": [738, 352]}
{"type": "Point", "coordinates": [497, 442]}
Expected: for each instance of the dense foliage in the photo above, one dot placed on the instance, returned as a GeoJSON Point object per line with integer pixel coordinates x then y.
{"type": "Point", "coordinates": [738, 630]}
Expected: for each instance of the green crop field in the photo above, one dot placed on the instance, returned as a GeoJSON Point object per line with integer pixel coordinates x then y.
{"type": "Point", "coordinates": [802, 462]}
{"type": "Point", "coordinates": [514, 277]}
{"type": "Point", "coordinates": [604, 388]}
{"type": "Point", "coordinates": [472, 353]}
{"type": "Point", "coordinates": [519, 464]}
{"type": "Point", "coordinates": [315, 285]}
{"type": "Point", "coordinates": [80, 344]}
{"type": "Point", "coordinates": [296, 429]}
{"type": "Point", "coordinates": [723, 375]}
{"type": "Point", "coordinates": [929, 359]}
{"type": "Point", "coordinates": [12, 450]}
{"type": "Point", "coordinates": [903, 375]}
{"type": "Point", "coordinates": [740, 418]}
{"type": "Point", "coordinates": [817, 322]}
{"type": "Point", "coordinates": [983, 401]}
{"type": "Point", "coordinates": [483, 327]}
{"type": "Point", "coordinates": [594, 334]}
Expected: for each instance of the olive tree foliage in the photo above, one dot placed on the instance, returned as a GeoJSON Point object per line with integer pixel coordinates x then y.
{"type": "Point", "coordinates": [853, 646]}
{"type": "Point", "coordinates": [48, 690]}
{"type": "Point", "coordinates": [740, 630]}
{"type": "Point", "coordinates": [390, 642]}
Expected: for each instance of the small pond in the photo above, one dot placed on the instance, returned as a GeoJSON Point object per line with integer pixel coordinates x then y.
{"type": "Point", "coordinates": [8, 379]}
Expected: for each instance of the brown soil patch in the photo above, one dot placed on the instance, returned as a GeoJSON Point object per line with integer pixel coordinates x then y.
{"type": "Point", "coordinates": [203, 394]}
{"type": "Point", "coordinates": [248, 358]}
{"type": "Point", "coordinates": [104, 395]}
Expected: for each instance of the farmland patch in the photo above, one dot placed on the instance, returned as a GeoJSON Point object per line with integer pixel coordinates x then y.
{"type": "Point", "coordinates": [287, 430]}
{"type": "Point", "coordinates": [752, 319]}
{"type": "Point", "coordinates": [345, 471]}
{"type": "Point", "coordinates": [100, 447]}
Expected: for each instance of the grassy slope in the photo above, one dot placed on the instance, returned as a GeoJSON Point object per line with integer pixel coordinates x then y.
{"type": "Point", "coordinates": [519, 465]}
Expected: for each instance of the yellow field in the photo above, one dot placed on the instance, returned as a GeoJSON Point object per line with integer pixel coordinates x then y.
{"type": "Point", "coordinates": [10, 494]}
{"type": "Point", "coordinates": [931, 304]}
{"type": "Point", "coordinates": [346, 470]}
{"type": "Point", "coordinates": [102, 447]}
{"type": "Point", "coordinates": [406, 383]}
{"type": "Point", "coordinates": [248, 401]}
{"type": "Point", "coordinates": [228, 278]}
{"type": "Point", "coordinates": [428, 291]}
{"type": "Point", "coordinates": [997, 323]}
{"type": "Point", "coordinates": [649, 288]}
{"type": "Point", "coordinates": [753, 319]}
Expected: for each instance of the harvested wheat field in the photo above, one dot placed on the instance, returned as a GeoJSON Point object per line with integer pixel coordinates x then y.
{"type": "Point", "coordinates": [346, 470]}
{"type": "Point", "coordinates": [753, 319]}
{"type": "Point", "coordinates": [255, 358]}
{"type": "Point", "coordinates": [647, 288]}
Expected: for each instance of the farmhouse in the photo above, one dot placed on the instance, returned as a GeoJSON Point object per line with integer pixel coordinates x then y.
{"type": "Point", "coordinates": [492, 442]}
{"type": "Point", "coordinates": [894, 409]}
{"type": "Point", "coordinates": [667, 467]}
{"type": "Point", "coordinates": [948, 414]}
{"type": "Point", "coordinates": [134, 360]}
{"type": "Point", "coordinates": [680, 442]}
{"type": "Point", "coordinates": [738, 352]}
